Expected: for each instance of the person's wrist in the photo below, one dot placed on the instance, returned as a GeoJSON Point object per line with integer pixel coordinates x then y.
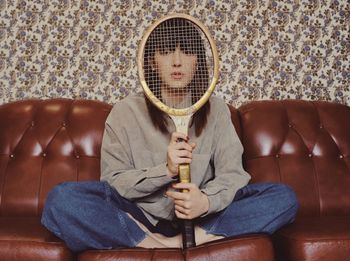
{"type": "Point", "coordinates": [170, 173]}
{"type": "Point", "coordinates": [206, 203]}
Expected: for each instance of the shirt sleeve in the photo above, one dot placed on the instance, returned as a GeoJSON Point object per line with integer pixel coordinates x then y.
{"type": "Point", "coordinates": [227, 158]}
{"type": "Point", "coordinates": [117, 167]}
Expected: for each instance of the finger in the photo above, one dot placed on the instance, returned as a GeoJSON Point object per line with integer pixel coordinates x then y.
{"type": "Point", "coordinates": [179, 160]}
{"type": "Point", "coordinates": [175, 136]}
{"type": "Point", "coordinates": [177, 195]}
{"type": "Point", "coordinates": [184, 154]}
{"type": "Point", "coordinates": [180, 203]}
{"type": "Point", "coordinates": [188, 186]}
{"type": "Point", "coordinates": [183, 146]}
{"type": "Point", "coordinates": [182, 210]}
{"type": "Point", "coordinates": [181, 215]}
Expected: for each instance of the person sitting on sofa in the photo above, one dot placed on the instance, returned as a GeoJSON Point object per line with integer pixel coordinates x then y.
{"type": "Point", "coordinates": [137, 202]}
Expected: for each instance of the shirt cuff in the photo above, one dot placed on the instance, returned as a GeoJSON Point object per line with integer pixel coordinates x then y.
{"type": "Point", "coordinates": [159, 177]}
{"type": "Point", "coordinates": [214, 202]}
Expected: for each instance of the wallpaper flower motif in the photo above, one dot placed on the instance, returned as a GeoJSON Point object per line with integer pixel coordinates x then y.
{"type": "Point", "coordinates": [275, 49]}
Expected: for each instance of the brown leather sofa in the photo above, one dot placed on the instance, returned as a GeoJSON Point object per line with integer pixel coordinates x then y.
{"type": "Point", "coordinates": [303, 144]}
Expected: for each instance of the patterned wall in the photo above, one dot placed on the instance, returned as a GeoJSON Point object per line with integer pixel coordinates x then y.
{"type": "Point", "coordinates": [269, 49]}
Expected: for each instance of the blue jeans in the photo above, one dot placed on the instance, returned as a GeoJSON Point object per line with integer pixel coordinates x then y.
{"type": "Point", "coordinates": [92, 215]}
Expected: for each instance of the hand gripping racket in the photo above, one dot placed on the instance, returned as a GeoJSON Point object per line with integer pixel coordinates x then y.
{"type": "Point", "coordinates": [178, 68]}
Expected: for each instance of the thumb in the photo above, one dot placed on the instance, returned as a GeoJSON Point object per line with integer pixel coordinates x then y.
{"type": "Point", "coordinates": [180, 185]}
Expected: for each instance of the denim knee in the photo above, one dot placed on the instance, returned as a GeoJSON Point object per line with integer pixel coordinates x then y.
{"type": "Point", "coordinates": [257, 208]}
{"type": "Point", "coordinates": [60, 190]}
{"type": "Point", "coordinates": [60, 196]}
{"type": "Point", "coordinates": [289, 201]}
{"type": "Point", "coordinates": [57, 203]}
{"type": "Point", "coordinates": [82, 214]}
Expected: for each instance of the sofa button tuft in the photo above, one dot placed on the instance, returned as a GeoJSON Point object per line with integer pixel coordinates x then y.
{"type": "Point", "coordinates": [44, 154]}
{"type": "Point", "coordinates": [64, 124]}
{"type": "Point", "coordinates": [310, 155]}
{"type": "Point", "coordinates": [11, 156]}
{"type": "Point", "coordinates": [277, 155]}
{"type": "Point", "coordinates": [77, 156]}
{"type": "Point", "coordinates": [341, 156]}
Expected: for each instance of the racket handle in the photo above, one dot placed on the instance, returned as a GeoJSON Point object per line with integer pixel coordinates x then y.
{"type": "Point", "coordinates": [188, 236]}
{"type": "Point", "coordinates": [184, 174]}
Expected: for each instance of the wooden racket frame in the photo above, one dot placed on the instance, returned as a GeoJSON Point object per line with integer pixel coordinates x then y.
{"type": "Point", "coordinates": [181, 117]}
{"type": "Point", "coordinates": [195, 107]}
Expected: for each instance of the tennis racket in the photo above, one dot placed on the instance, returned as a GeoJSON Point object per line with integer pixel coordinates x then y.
{"type": "Point", "coordinates": [178, 68]}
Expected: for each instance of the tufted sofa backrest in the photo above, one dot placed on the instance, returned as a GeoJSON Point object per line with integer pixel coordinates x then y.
{"type": "Point", "coordinates": [45, 142]}
{"type": "Point", "coordinates": [304, 144]}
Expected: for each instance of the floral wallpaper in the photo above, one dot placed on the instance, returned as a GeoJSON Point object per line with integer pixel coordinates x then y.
{"type": "Point", "coordinates": [269, 49]}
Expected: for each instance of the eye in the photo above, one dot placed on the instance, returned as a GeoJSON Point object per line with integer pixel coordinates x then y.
{"type": "Point", "coordinates": [165, 52]}
{"type": "Point", "coordinates": [189, 52]}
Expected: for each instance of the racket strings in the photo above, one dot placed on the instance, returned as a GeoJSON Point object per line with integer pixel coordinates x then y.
{"type": "Point", "coordinates": [177, 63]}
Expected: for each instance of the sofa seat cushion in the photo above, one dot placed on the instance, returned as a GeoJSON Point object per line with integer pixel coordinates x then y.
{"type": "Point", "coordinates": [253, 247]}
{"type": "Point", "coordinates": [129, 254]}
{"type": "Point", "coordinates": [243, 248]}
{"type": "Point", "coordinates": [26, 239]}
{"type": "Point", "coordinates": [315, 238]}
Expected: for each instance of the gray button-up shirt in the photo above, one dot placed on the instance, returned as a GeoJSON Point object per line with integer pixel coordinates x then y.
{"type": "Point", "coordinates": [133, 158]}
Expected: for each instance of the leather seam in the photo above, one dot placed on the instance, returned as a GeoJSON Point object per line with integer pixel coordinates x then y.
{"type": "Point", "coordinates": [33, 241]}
{"type": "Point", "coordinates": [315, 174]}
{"type": "Point", "coordinates": [316, 240]}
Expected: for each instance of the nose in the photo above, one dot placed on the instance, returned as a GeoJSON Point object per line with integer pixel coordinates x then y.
{"type": "Point", "coordinates": [177, 59]}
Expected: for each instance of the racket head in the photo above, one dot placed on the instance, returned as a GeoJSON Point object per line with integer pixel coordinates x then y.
{"type": "Point", "coordinates": [184, 34]}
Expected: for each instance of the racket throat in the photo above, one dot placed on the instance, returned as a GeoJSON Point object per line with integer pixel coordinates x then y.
{"type": "Point", "coordinates": [182, 123]}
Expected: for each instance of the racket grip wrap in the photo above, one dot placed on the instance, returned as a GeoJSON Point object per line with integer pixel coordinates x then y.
{"type": "Point", "coordinates": [184, 173]}
{"type": "Point", "coordinates": [188, 237]}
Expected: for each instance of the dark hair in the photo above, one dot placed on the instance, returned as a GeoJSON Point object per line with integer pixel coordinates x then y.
{"type": "Point", "coordinates": [188, 39]}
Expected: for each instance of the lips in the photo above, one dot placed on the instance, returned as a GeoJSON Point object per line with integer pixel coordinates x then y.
{"type": "Point", "coordinates": [177, 75]}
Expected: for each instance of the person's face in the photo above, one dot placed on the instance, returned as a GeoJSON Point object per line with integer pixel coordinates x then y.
{"type": "Point", "coordinates": [175, 68]}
